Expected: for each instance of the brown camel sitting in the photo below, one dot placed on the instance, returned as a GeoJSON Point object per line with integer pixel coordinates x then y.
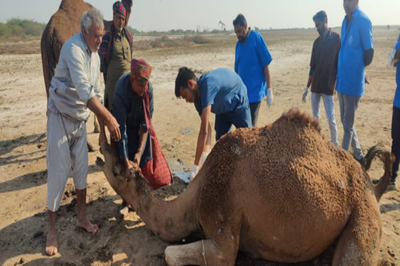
{"type": "Point", "coordinates": [62, 26]}
{"type": "Point", "coordinates": [281, 193]}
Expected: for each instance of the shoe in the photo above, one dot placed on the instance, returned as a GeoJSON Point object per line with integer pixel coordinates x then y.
{"type": "Point", "coordinates": [392, 186]}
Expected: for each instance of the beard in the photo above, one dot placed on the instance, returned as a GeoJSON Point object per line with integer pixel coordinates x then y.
{"type": "Point", "coordinates": [321, 32]}
{"type": "Point", "coordinates": [242, 39]}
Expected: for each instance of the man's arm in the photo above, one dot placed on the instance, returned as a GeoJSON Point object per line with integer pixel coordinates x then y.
{"type": "Point", "coordinates": [267, 77]}
{"type": "Point", "coordinates": [204, 131]}
{"type": "Point", "coordinates": [367, 41]}
{"type": "Point", "coordinates": [102, 113]}
{"type": "Point", "coordinates": [368, 56]}
{"type": "Point", "coordinates": [396, 58]}
{"type": "Point", "coordinates": [142, 142]}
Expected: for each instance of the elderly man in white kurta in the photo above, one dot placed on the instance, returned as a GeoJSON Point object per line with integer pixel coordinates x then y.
{"type": "Point", "coordinates": [74, 91]}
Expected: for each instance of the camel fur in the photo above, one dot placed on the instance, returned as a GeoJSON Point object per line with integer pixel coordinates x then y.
{"type": "Point", "coordinates": [281, 193]}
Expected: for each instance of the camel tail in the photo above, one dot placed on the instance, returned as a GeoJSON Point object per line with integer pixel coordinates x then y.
{"type": "Point", "coordinates": [49, 61]}
{"type": "Point", "coordinates": [387, 159]}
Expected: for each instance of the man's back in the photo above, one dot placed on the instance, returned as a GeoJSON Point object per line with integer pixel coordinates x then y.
{"type": "Point", "coordinates": [223, 89]}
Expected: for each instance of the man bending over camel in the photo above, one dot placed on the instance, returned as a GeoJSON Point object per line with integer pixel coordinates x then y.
{"type": "Point", "coordinates": [221, 92]}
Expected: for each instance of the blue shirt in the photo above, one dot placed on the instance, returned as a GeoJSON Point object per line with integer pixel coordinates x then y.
{"type": "Point", "coordinates": [250, 60]}
{"type": "Point", "coordinates": [128, 111]}
{"type": "Point", "coordinates": [397, 95]}
{"type": "Point", "coordinates": [224, 90]}
{"type": "Point", "coordinates": [356, 39]}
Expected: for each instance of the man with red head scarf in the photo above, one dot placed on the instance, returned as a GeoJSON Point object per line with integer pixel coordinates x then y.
{"type": "Point", "coordinates": [133, 108]}
{"type": "Point", "coordinates": [115, 52]}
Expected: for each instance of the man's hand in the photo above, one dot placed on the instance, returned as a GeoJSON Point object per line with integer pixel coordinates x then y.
{"type": "Point", "coordinates": [395, 61]}
{"type": "Point", "coordinates": [113, 128]}
{"type": "Point", "coordinates": [137, 157]}
{"type": "Point", "coordinates": [193, 173]}
{"type": "Point", "coordinates": [305, 95]}
{"type": "Point", "coordinates": [270, 97]}
{"type": "Point", "coordinates": [129, 165]}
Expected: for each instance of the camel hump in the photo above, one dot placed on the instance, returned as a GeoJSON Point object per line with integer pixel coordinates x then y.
{"type": "Point", "coordinates": [298, 117]}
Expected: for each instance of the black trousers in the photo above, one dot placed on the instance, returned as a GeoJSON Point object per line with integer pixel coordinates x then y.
{"type": "Point", "coordinates": [395, 141]}
{"type": "Point", "coordinates": [254, 109]}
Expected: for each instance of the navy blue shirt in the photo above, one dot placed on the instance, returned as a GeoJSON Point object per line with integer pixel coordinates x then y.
{"type": "Point", "coordinates": [356, 39]}
{"type": "Point", "coordinates": [129, 112]}
{"type": "Point", "coordinates": [224, 90]}
{"type": "Point", "coordinates": [251, 58]}
{"type": "Point", "coordinates": [397, 95]}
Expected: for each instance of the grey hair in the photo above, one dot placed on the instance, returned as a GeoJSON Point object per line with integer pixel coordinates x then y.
{"type": "Point", "coordinates": [90, 17]}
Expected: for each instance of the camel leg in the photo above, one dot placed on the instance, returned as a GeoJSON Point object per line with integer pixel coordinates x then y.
{"type": "Point", "coordinates": [204, 252]}
{"type": "Point", "coordinates": [359, 242]}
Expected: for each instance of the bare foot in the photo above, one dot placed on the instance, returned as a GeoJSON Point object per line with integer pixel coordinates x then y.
{"type": "Point", "coordinates": [51, 244]}
{"type": "Point", "coordinates": [88, 226]}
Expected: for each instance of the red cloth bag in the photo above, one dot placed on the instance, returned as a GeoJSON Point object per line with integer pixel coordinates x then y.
{"type": "Point", "coordinates": [156, 170]}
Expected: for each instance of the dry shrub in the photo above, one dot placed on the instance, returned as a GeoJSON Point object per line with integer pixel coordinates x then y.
{"type": "Point", "coordinates": [167, 42]}
{"type": "Point", "coordinates": [163, 42]}
{"type": "Point", "coordinates": [197, 39]}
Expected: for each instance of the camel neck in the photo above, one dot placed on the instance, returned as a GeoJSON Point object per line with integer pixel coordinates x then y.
{"type": "Point", "coordinates": [170, 220]}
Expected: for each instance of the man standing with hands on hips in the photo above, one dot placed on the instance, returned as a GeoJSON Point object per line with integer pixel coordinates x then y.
{"type": "Point", "coordinates": [252, 60]}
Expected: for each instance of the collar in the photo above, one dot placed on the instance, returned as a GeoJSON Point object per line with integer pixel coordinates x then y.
{"type": "Point", "coordinates": [116, 33]}
{"type": "Point", "coordinates": [86, 47]}
{"type": "Point", "coordinates": [328, 34]}
{"type": "Point", "coordinates": [355, 13]}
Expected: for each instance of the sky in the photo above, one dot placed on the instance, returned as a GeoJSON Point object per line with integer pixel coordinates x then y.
{"type": "Point", "coordinates": [164, 15]}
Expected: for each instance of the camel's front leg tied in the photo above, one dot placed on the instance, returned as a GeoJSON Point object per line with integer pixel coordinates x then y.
{"type": "Point", "coordinates": [203, 251]}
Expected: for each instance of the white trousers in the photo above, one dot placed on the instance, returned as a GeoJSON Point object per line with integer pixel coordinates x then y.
{"type": "Point", "coordinates": [329, 110]}
{"type": "Point", "coordinates": [66, 150]}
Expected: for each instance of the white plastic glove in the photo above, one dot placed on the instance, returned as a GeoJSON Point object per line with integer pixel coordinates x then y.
{"type": "Point", "coordinates": [305, 95]}
{"type": "Point", "coordinates": [193, 173]}
{"type": "Point", "coordinates": [270, 97]}
{"type": "Point", "coordinates": [390, 57]}
{"type": "Point", "coordinates": [203, 158]}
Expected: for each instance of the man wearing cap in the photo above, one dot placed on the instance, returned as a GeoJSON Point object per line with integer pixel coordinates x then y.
{"type": "Point", "coordinates": [134, 145]}
{"type": "Point", "coordinates": [323, 68]}
{"type": "Point", "coordinates": [356, 53]}
{"type": "Point", "coordinates": [115, 52]}
{"type": "Point", "coordinates": [74, 91]}
{"type": "Point", "coordinates": [252, 60]}
{"type": "Point", "coordinates": [221, 92]}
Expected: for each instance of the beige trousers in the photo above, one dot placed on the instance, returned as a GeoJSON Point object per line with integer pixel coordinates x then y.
{"type": "Point", "coordinates": [66, 151]}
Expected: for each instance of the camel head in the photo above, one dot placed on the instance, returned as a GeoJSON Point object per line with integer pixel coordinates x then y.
{"type": "Point", "coordinates": [130, 189]}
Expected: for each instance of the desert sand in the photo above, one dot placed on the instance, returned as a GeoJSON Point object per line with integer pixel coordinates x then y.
{"type": "Point", "coordinates": [23, 173]}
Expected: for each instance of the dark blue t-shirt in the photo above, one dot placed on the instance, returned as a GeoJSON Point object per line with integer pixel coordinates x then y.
{"type": "Point", "coordinates": [224, 90]}
{"type": "Point", "coordinates": [250, 60]}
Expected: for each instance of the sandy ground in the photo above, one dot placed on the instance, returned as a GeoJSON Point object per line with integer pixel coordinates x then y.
{"type": "Point", "coordinates": [23, 150]}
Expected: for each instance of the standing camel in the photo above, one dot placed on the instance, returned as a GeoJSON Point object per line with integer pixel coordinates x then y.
{"type": "Point", "coordinates": [62, 26]}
